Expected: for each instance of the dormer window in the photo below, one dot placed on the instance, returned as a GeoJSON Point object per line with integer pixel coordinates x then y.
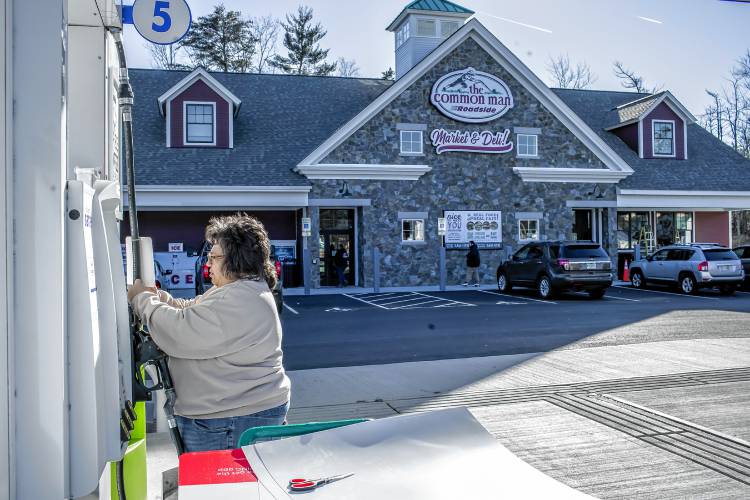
{"type": "Point", "coordinates": [200, 123]}
{"type": "Point", "coordinates": [447, 28]}
{"type": "Point", "coordinates": [426, 27]}
{"type": "Point", "coordinates": [663, 140]}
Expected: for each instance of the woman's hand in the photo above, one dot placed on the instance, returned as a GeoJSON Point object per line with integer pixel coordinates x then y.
{"type": "Point", "coordinates": [138, 287]}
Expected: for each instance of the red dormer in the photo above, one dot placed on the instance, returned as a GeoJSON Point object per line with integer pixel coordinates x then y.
{"type": "Point", "coordinates": [654, 126]}
{"type": "Point", "coordinates": [199, 112]}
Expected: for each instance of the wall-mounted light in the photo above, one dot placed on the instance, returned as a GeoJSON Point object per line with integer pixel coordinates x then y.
{"type": "Point", "coordinates": [344, 190]}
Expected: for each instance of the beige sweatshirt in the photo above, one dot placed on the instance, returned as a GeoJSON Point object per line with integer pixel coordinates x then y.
{"type": "Point", "coordinates": [224, 348]}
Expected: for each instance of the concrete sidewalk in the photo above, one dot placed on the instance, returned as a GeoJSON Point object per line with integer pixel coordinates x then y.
{"type": "Point", "coordinates": [521, 399]}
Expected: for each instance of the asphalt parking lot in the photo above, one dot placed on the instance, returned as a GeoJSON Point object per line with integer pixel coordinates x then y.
{"type": "Point", "coordinates": [360, 329]}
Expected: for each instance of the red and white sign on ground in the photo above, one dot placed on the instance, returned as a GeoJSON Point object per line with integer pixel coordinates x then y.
{"type": "Point", "coordinates": [220, 475]}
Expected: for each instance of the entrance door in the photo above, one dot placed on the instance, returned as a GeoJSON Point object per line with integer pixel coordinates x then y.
{"type": "Point", "coordinates": [336, 233]}
{"type": "Point", "coordinates": [583, 227]}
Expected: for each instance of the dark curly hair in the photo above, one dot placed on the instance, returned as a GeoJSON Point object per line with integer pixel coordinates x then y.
{"type": "Point", "coordinates": [247, 249]}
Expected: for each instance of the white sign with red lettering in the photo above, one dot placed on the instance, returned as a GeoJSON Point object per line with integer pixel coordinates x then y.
{"type": "Point", "coordinates": [471, 96]}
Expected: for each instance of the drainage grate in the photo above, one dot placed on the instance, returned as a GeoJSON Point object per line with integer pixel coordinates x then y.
{"type": "Point", "coordinates": [721, 453]}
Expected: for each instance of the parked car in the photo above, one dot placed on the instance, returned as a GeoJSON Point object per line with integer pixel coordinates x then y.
{"type": "Point", "coordinates": [203, 276]}
{"type": "Point", "coordinates": [690, 267]}
{"type": "Point", "coordinates": [555, 266]}
{"type": "Point", "coordinates": [743, 252]}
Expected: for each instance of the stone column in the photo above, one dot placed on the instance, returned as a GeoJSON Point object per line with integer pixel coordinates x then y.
{"type": "Point", "coordinates": [312, 245]}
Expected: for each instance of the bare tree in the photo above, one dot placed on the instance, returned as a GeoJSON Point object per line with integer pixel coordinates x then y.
{"type": "Point", "coordinates": [265, 30]}
{"type": "Point", "coordinates": [631, 80]}
{"type": "Point", "coordinates": [715, 115]}
{"type": "Point", "coordinates": [165, 56]}
{"type": "Point", "coordinates": [347, 67]}
{"type": "Point", "coordinates": [736, 107]}
{"type": "Point", "coordinates": [566, 77]}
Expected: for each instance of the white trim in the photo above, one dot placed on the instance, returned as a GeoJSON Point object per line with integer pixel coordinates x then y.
{"type": "Point", "coordinates": [683, 200]}
{"type": "Point", "coordinates": [363, 171]}
{"type": "Point", "coordinates": [674, 139]}
{"type": "Point", "coordinates": [640, 138]}
{"type": "Point", "coordinates": [219, 197]}
{"type": "Point", "coordinates": [7, 439]}
{"type": "Point", "coordinates": [185, 142]}
{"type": "Point", "coordinates": [684, 139]}
{"type": "Point", "coordinates": [199, 74]}
{"type": "Point", "coordinates": [405, 13]}
{"type": "Point", "coordinates": [169, 125]}
{"type": "Point", "coordinates": [508, 61]}
{"type": "Point", "coordinates": [666, 95]}
{"type": "Point", "coordinates": [587, 175]}
{"type": "Point", "coordinates": [339, 202]}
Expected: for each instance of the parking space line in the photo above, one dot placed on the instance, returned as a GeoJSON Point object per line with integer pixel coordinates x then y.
{"type": "Point", "coordinates": [665, 293]}
{"type": "Point", "coordinates": [407, 306]}
{"type": "Point", "coordinates": [621, 298]}
{"type": "Point", "coordinates": [449, 300]}
{"type": "Point", "coordinates": [401, 300]}
{"type": "Point", "coordinates": [378, 298]}
{"type": "Point", "coordinates": [290, 308]}
{"type": "Point", "coordinates": [516, 296]}
{"type": "Point", "coordinates": [365, 301]}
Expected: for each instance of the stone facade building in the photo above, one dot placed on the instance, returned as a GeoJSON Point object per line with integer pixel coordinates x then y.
{"type": "Point", "coordinates": [467, 133]}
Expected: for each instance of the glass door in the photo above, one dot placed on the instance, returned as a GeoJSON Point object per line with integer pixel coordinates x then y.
{"type": "Point", "coordinates": [336, 246]}
{"type": "Point", "coordinates": [583, 225]}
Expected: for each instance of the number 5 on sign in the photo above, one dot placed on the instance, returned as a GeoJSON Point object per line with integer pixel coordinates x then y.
{"type": "Point", "coordinates": [162, 21]}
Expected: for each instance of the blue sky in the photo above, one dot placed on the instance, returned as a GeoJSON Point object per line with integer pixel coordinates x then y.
{"type": "Point", "coordinates": [685, 46]}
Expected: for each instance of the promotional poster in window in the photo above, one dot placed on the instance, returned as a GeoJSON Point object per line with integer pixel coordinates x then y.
{"type": "Point", "coordinates": [481, 226]}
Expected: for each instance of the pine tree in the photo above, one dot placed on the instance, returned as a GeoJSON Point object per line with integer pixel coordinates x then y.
{"type": "Point", "coordinates": [388, 74]}
{"type": "Point", "coordinates": [221, 40]}
{"type": "Point", "coordinates": [304, 56]}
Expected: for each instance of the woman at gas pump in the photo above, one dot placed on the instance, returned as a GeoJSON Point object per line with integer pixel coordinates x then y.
{"type": "Point", "coordinates": [224, 346]}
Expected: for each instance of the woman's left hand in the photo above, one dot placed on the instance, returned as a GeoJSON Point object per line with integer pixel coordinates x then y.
{"type": "Point", "coordinates": [138, 287]}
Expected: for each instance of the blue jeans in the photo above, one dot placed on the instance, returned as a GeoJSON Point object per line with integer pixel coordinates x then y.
{"type": "Point", "coordinates": [203, 434]}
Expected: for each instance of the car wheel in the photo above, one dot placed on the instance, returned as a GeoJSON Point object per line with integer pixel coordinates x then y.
{"type": "Point", "coordinates": [637, 279]}
{"type": "Point", "coordinates": [503, 284]}
{"type": "Point", "coordinates": [688, 286]}
{"type": "Point", "coordinates": [727, 290]}
{"type": "Point", "coordinates": [597, 294]}
{"type": "Point", "coordinates": [544, 287]}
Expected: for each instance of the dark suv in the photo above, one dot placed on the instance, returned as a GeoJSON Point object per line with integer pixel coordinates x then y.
{"type": "Point", "coordinates": [555, 266]}
{"type": "Point", "coordinates": [203, 276]}
{"type": "Point", "coordinates": [743, 252]}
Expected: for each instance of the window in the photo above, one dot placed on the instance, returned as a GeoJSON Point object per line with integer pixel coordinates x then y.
{"type": "Point", "coordinates": [661, 255]}
{"type": "Point", "coordinates": [412, 230]}
{"type": "Point", "coordinates": [535, 252]}
{"type": "Point", "coordinates": [411, 142]}
{"type": "Point", "coordinates": [447, 28]}
{"type": "Point", "coordinates": [523, 253]}
{"type": "Point", "coordinates": [526, 145]}
{"type": "Point", "coordinates": [402, 35]}
{"type": "Point", "coordinates": [528, 229]}
{"type": "Point", "coordinates": [425, 27]}
{"type": "Point", "coordinates": [663, 143]}
{"type": "Point", "coordinates": [200, 123]}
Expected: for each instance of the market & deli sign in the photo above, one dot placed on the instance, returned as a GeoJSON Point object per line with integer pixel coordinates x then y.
{"type": "Point", "coordinates": [471, 96]}
{"type": "Point", "coordinates": [476, 141]}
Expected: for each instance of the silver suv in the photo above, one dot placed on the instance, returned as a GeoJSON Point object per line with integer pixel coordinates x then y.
{"type": "Point", "coordinates": [690, 267]}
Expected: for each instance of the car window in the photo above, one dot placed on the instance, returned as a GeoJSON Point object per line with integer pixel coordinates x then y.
{"type": "Point", "coordinates": [522, 253]}
{"type": "Point", "coordinates": [719, 254]}
{"type": "Point", "coordinates": [554, 251]}
{"type": "Point", "coordinates": [661, 255]}
{"type": "Point", "coordinates": [535, 253]}
{"type": "Point", "coordinates": [584, 252]}
{"type": "Point", "coordinates": [676, 254]}
{"type": "Point", "coordinates": [742, 253]}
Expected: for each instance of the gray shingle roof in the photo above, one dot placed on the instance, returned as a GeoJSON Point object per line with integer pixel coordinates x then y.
{"type": "Point", "coordinates": [282, 119]}
{"type": "Point", "coordinates": [711, 165]}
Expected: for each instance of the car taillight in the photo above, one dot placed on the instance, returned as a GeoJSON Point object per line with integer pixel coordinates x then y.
{"type": "Point", "coordinates": [158, 284]}
{"type": "Point", "coordinates": [564, 263]}
{"type": "Point", "coordinates": [277, 264]}
{"type": "Point", "coordinates": [703, 266]}
{"type": "Point", "coordinates": [205, 271]}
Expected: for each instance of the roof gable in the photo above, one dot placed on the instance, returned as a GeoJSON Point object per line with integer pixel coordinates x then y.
{"type": "Point", "coordinates": [635, 111]}
{"type": "Point", "coordinates": [195, 75]}
{"type": "Point", "coordinates": [617, 168]}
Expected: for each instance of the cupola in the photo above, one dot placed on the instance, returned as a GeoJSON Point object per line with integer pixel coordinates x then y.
{"type": "Point", "coordinates": [422, 26]}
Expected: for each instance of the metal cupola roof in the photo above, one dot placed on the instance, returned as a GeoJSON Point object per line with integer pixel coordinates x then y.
{"type": "Point", "coordinates": [429, 6]}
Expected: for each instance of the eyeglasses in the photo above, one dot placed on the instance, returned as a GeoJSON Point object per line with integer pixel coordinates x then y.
{"type": "Point", "coordinates": [212, 257]}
